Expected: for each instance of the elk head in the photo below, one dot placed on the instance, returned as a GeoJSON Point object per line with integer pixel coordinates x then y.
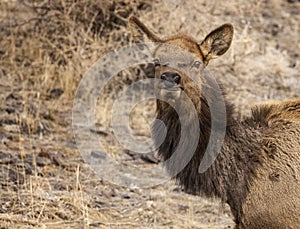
{"type": "Point", "coordinates": [180, 60]}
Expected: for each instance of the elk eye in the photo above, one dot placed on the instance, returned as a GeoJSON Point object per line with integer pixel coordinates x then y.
{"type": "Point", "coordinates": [156, 62]}
{"type": "Point", "coordinates": [196, 64]}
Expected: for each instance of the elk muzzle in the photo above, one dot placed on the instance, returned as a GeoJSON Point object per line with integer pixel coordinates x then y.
{"type": "Point", "coordinates": [170, 85]}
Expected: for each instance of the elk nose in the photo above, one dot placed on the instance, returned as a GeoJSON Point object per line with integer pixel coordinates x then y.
{"type": "Point", "coordinates": [171, 77]}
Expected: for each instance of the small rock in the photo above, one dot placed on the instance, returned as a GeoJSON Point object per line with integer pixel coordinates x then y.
{"type": "Point", "coordinates": [6, 158]}
{"type": "Point", "coordinates": [150, 158]}
{"type": "Point", "coordinates": [44, 154]}
{"type": "Point", "coordinates": [71, 144]}
{"type": "Point", "coordinates": [150, 204]}
{"type": "Point", "coordinates": [178, 189]}
{"type": "Point", "coordinates": [59, 160]}
{"type": "Point", "coordinates": [15, 97]}
{"type": "Point", "coordinates": [183, 207]}
{"type": "Point", "coordinates": [113, 193]}
{"type": "Point", "coordinates": [15, 176]}
{"type": "Point", "coordinates": [100, 131]}
{"type": "Point", "coordinates": [56, 93]}
{"type": "Point", "coordinates": [99, 204]}
{"type": "Point", "coordinates": [99, 154]}
{"type": "Point", "coordinates": [10, 110]}
{"type": "Point", "coordinates": [43, 161]}
{"type": "Point", "coordinates": [28, 159]}
{"type": "Point", "coordinates": [125, 196]}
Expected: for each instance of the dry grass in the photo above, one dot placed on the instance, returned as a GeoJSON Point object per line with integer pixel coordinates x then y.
{"type": "Point", "coordinates": [46, 48]}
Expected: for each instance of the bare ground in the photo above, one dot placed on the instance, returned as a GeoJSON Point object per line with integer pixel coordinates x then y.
{"type": "Point", "coordinates": [46, 48]}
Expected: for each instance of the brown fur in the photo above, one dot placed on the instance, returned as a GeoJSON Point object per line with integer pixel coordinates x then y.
{"type": "Point", "coordinates": [287, 110]}
{"type": "Point", "coordinates": [257, 171]}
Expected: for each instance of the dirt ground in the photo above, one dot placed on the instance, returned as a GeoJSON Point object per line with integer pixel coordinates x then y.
{"type": "Point", "coordinates": [46, 48]}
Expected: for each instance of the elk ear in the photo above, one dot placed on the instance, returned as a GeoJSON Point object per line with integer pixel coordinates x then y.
{"type": "Point", "coordinates": [140, 32]}
{"type": "Point", "coordinates": [217, 42]}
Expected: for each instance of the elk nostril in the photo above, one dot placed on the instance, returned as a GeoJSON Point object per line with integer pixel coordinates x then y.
{"type": "Point", "coordinates": [171, 77]}
{"type": "Point", "coordinates": [176, 78]}
{"type": "Point", "coordinates": [163, 76]}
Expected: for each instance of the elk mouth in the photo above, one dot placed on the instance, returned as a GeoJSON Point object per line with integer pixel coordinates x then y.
{"type": "Point", "coordinates": [170, 93]}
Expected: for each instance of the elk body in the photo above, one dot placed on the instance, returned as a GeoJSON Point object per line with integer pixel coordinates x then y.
{"type": "Point", "coordinates": [257, 171]}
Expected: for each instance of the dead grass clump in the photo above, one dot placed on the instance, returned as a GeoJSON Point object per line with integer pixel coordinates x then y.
{"type": "Point", "coordinates": [50, 44]}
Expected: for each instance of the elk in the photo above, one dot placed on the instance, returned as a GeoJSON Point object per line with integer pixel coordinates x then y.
{"type": "Point", "coordinates": [257, 171]}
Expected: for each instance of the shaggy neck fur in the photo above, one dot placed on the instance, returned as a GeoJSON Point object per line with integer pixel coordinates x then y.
{"type": "Point", "coordinates": [230, 174]}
